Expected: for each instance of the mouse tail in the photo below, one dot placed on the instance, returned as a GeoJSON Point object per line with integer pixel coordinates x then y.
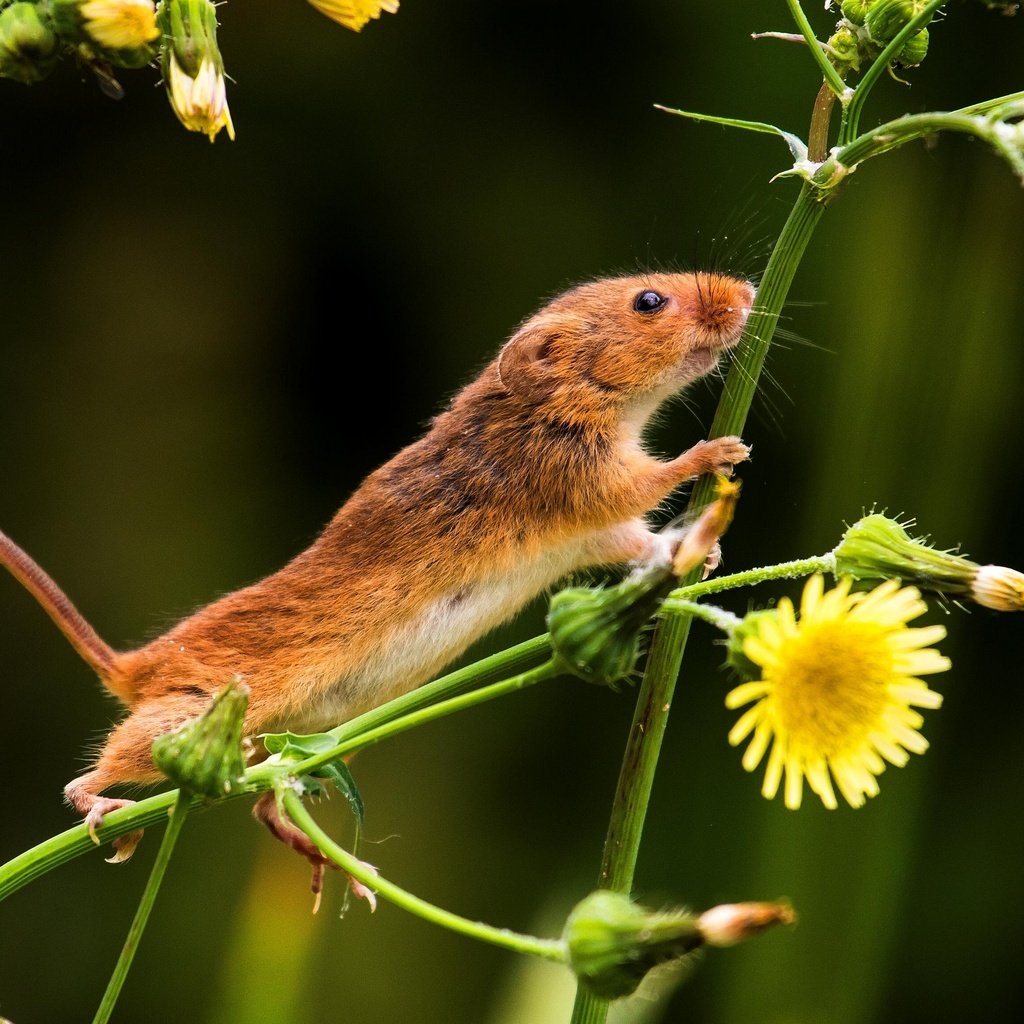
{"type": "Point", "coordinates": [93, 650]}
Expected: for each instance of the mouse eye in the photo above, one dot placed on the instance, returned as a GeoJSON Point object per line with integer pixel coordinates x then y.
{"type": "Point", "coordinates": [649, 302]}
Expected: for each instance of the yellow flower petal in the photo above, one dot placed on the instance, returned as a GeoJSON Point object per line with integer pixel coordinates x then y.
{"type": "Point", "coordinates": [758, 745]}
{"type": "Point", "coordinates": [817, 776]}
{"type": "Point", "coordinates": [354, 14]}
{"type": "Point", "coordinates": [813, 593]}
{"type": "Point", "coordinates": [745, 693]}
{"type": "Point", "coordinates": [794, 783]}
{"type": "Point", "coordinates": [120, 24]}
{"type": "Point", "coordinates": [773, 772]}
{"type": "Point", "coordinates": [745, 725]}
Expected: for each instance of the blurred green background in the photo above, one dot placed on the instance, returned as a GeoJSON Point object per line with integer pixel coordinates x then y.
{"type": "Point", "coordinates": [180, 412]}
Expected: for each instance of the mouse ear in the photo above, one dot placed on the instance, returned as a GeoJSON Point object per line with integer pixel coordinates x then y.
{"type": "Point", "coordinates": [524, 364]}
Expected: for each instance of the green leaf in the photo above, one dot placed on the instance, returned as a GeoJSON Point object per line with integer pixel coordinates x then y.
{"type": "Point", "coordinates": [338, 772]}
{"type": "Point", "coordinates": [797, 147]}
{"type": "Point", "coordinates": [290, 746]}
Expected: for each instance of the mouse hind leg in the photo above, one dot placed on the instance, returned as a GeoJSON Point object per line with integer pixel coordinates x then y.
{"type": "Point", "coordinates": [126, 759]}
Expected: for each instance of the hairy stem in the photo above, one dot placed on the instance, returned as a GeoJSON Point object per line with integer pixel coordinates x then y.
{"type": "Point", "coordinates": [751, 577]}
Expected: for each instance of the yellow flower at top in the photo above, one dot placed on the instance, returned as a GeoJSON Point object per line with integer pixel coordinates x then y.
{"type": "Point", "coordinates": [120, 24]}
{"type": "Point", "coordinates": [354, 14]}
{"type": "Point", "coordinates": [838, 690]}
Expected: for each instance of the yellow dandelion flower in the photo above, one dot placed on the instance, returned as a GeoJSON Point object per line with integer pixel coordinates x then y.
{"type": "Point", "coordinates": [354, 14]}
{"type": "Point", "coordinates": [120, 24]}
{"type": "Point", "coordinates": [838, 690]}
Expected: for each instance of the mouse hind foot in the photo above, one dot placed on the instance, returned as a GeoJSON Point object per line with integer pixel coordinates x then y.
{"type": "Point", "coordinates": [83, 794]}
{"type": "Point", "coordinates": [267, 811]}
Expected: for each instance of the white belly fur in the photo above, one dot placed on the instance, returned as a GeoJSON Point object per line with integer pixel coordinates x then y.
{"type": "Point", "coordinates": [422, 646]}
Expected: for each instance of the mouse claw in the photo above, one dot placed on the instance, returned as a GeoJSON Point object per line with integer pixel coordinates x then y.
{"type": "Point", "coordinates": [124, 846]}
{"type": "Point", "coordinates": [267, 811]}
{"type": "Point", "coordinates": [361, 891]}
{"type": "Point", "coordinates": [712, 561]}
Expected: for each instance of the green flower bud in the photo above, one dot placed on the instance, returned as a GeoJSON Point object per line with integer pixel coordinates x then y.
{"type": "Point", "coordinates": [595, 631]}
{"type": "Point", "coordinates": [854, 11]}
{"type": "Point", "coordinates": [886, 18]}
{"type": "Point", "coordinates": [877, 547]}
{"type": "Point", "coordinates": [28, 44]}
{"type": "Point", "coordinates": [205, 755]}
{"type": "Point", "coordinates": [914, 51]}
{"type": "Point", "coordinates": [613, 943]}
{"type": "Point", "coordinates": [845, 49]}
{"type": "Point", "coordinates": [735, 657]}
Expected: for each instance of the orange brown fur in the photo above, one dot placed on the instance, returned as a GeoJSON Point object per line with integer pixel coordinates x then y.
{"type": "Point", "coordinates": [536, 469]}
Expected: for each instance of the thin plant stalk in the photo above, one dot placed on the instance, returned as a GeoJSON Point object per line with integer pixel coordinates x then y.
{"type": "Point", "coordinates": [156, 877]}
{"type": "Point", "coordinates": [650, 719]}
{"type": "Point", "coordinates": [547, 949]}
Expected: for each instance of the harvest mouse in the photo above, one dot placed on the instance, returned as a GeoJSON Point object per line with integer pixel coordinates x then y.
{"type": "Point", "coordinates": [534, 470]}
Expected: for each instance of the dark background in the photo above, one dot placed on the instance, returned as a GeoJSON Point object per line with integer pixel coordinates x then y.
{"type": "Point", "coordinates": [180, 413]}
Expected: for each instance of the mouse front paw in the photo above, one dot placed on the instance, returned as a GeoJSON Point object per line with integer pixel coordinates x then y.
{"type": "Point", "coordinates": [722, 453]}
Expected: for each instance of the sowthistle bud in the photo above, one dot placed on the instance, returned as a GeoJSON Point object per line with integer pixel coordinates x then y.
{"type": "Point", "coordinates": [877, 547]}
{"type": "Point", "coordinates": [29, 47]}
{"type": "Point", "coordinates": [854, 11]}
{"type": "Point", "coordinates": [844, 49]}
{"type": "Point", "coordinates": [595, 631]}
{"type": "Point", "coordinates": [885, 19]}
{"type": "Point", "coordinates": [205, 755]}
{"type": "Point", "coordinates": [613, 942]}
{"type": "Point", "coordinates": [192, 66]}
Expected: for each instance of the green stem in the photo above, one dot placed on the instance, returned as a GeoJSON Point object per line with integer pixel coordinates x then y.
{"type": "Point", "coordinates": [751, 577]}
{"type": "Point", "coordinates": [351, 740]}
{"type": "Point", "coordinates": [709, 613]}
{"type": "Point", "coordinates": [905, 129]}
{"type": "Point", "coordinates": [835, 83]}
{"type": "Point", "coordinates": [636, 776]}
{"type": "Point", "coordinates": [59, 849]}
{"type": "Point", "coordinates": [821, 120]}
{"type": "Point", "coordinates": [548, 949]}
{"type": "Point", "coordinates": [156, 876]}
{"type": "Point", "coordinates": [487, 670]}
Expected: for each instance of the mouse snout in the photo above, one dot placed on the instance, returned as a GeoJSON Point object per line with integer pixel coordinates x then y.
{"type": "Point", "coordinates": [722, 307]}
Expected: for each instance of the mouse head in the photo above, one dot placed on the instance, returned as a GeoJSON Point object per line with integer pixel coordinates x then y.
{"type": "Point", "coordinates": [621, 341]}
